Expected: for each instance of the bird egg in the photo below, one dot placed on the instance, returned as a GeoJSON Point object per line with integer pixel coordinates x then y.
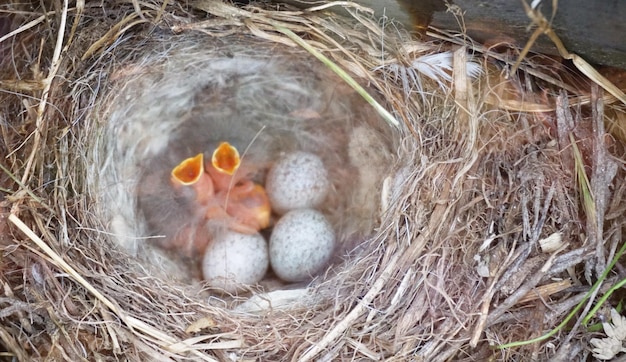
{"type": "Point", "coordinates": [301, 244]}
{"type": "Point", "coordinates": [233, 259]}
{"type": "Point", "coordinates": [298, 180]}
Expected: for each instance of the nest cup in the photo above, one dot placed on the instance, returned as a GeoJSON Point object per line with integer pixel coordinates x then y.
{"type": "Point", "coordinates": [267, 100]}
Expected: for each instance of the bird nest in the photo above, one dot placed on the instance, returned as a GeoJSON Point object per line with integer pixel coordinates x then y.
{"type": "Point", "coordinates": [474, 210]}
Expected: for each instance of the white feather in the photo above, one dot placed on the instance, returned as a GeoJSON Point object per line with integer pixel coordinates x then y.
{"type": "Point", "coordinates": [437, 67]}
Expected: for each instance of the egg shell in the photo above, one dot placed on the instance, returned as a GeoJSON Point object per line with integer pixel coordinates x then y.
{"type": "Point", "coordinates": [232, 260]}
{"type": "Point", "coordinates": [301, 244]}
{"type": "Point", "coordinates": [297, 180]}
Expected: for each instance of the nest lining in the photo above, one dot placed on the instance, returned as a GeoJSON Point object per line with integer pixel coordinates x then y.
{"type": "Point", "coordinates": [411, 291]}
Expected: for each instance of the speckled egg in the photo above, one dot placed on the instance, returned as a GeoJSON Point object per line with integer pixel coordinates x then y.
{"type": "Point", "coordinates": [301, 244]}
{"type": "Point", "coordinates": [232, 260]}
{"type": "Point", "coordinates": [298, 180]}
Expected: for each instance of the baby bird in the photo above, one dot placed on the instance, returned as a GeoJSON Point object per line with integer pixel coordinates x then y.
{"type": "Point", "coordinates": [223, 196]}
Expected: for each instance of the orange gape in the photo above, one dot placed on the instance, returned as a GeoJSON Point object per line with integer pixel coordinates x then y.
{"type": "Point", "coordinates": [190, 172]}
{"type": "Point", "coordinates": [226, 158]}
{"type": "Point", "coordinates": [240, 204]}
{"type": "Point", "coordinates": [224, 165]}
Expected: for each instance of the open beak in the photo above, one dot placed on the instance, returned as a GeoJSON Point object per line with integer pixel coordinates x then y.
{"type": "Point", "coordinates": [226, 158]}
{"type": "Point", "coordinates": [190, 172]}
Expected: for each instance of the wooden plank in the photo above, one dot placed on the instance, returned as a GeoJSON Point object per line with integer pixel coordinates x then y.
{"type": "Point", "coordinates": [595, 30]}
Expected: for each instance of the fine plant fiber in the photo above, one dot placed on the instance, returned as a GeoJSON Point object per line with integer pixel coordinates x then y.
{"type": "Point", "coordinates": [443, 262]}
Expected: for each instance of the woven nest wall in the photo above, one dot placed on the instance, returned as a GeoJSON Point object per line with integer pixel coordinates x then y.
{"type": "Point", "coordinates": [472, 210]}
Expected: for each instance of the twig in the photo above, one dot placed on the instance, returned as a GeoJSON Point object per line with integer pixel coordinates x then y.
{"type": "Point", "coordinates": [23, 188]}
{"type": "Point", "coordinates": [355, 313]}
{"type": "Point", "coordinates": [27, 26]}
{"type": "Point", "coordinates": [594, 289]}
{"type": "Point", "coordinates": [341, 73]}
{"type": "Point", "coordinates": [543, 26]}
{"type": "Point", "coordinates": [345, 4]}
{"type": "Point", "coordinates": [44, 98]}
{"type": "Point", "coordinates": [161, 338]}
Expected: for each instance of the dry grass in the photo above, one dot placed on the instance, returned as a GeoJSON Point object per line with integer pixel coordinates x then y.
{"type": "Point", "coordinates": [488, 168]}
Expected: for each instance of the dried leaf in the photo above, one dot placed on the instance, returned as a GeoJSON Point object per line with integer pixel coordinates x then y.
{"type": "Point", "coordinates": [201, 324]}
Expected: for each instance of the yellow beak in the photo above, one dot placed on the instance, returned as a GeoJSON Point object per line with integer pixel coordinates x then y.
{"type": "Point", "coordinates": [189, 171]}
{"type": "Point", "coordinates": [226, 158]}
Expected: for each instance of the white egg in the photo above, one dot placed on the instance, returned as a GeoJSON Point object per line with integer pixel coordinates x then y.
{"type": "Point", "coordinates": [232, 260]}
{"type": "Point", "coordinates": [298, 180]}
{"type": "Point", "coordinates": [301, 244]}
